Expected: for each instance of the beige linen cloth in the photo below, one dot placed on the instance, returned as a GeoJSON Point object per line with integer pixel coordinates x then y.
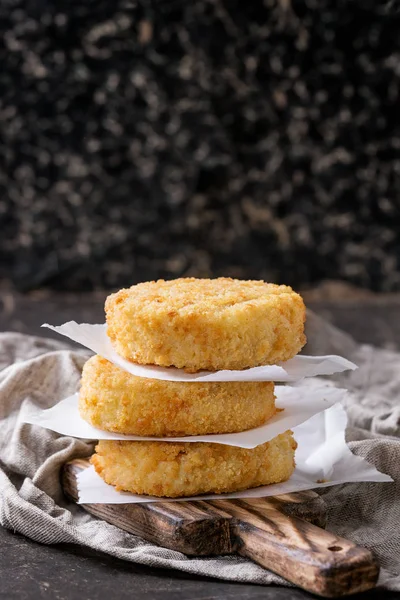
{"type": "Point", "coordinates": [43, 371]}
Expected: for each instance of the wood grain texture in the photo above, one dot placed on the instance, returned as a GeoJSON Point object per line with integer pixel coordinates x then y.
{"type": "Point", "coordinates": [282, 534]}
{"type": "Point", "coordinates": [194, 528]}
{"type": "Point", "coordinates": [306, 555]}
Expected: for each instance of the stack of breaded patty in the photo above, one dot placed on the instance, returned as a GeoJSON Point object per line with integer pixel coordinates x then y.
{"type": "Point", "coordinates": [194, 324]}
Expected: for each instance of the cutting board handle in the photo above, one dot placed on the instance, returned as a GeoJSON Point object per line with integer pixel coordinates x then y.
{"type": "Point", "coordinates": [302, 553]}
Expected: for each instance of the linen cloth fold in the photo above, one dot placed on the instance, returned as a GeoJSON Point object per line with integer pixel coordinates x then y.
{"type": "Point", "coordinates": [43, 371]}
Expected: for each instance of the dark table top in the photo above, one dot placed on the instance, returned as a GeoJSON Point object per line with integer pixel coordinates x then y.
{"type": "Point", "coordinates": [30, 571]}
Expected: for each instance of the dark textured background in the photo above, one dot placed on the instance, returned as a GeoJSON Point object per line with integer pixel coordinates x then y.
{"type": "Point", "coordinates": [148, 139]}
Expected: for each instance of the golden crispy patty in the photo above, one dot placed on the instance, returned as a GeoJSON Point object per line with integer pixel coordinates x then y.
{"type": "Point", "coordinates": [209, 324]}
{"type": "Point", "coordinates": [172, 469]}
{"type": "Point", "coordinates": [114, 400]}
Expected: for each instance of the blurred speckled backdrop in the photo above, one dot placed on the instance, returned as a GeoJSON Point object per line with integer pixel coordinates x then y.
{"type": "Point", "coordinates": [155, 139]}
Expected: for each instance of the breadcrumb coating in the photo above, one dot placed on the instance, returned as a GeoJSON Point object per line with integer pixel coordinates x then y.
{"type": "Point", "coordinates": [168, 469]}
{"type": "Point", "coordinates": [209, 324]}
{"type": "Point", "coordinates": [114, 400]}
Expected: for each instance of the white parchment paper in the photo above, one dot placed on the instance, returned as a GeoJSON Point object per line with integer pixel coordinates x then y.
{"type": "Point", "coordinates": [297, 404]}
{"type": "Point", "coordinates": [322, 454]}
{"type": "Point", "coordinates": [96, 339]}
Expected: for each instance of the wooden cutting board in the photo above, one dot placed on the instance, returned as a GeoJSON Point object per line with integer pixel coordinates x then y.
{"type": "Point", "coordinates": [284, 534]}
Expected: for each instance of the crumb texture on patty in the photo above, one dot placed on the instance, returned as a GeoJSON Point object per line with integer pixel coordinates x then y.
{"type": "Point", "coordinates": [209, 324]}
{"type": "Point", "coordinates": [114, 400]}
{"type": "Point", "coordinates": [168, 469]}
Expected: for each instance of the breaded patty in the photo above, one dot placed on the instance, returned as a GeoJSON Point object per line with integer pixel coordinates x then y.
{"type": "Point", "coordinates": [114, 400]}
{"type": "Point", "coordinates": [209, 324]}
{"type": "Point", "coordinates": [171, 469]}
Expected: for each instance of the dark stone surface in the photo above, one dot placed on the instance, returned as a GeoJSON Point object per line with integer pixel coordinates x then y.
{"type": "Point", "coordinates": [30, 571]}
{"type": "Point", "coordinates": [255, 139]}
